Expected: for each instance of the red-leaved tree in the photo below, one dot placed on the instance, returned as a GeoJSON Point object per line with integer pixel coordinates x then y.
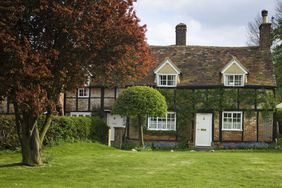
{"type": "Point", "coordinates": [46, 47]}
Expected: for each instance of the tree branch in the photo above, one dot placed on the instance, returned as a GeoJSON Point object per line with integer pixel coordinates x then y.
{"type": "Point", "coordinates": [45, 127]}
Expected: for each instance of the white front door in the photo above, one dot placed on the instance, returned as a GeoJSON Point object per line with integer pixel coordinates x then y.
{"type": "Point", "coordinates": [203, 129]}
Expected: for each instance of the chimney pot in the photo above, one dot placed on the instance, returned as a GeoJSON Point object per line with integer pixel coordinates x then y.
{"type": "Point", "coordinates": [264, 14]}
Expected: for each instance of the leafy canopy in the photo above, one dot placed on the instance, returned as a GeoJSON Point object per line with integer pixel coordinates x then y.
{"type": "Point", "coordinates": [277, 50]}
{"type": "Point", "coordinates": [47, 47]}
{"type": "Point", "coordinates": [140, 100]}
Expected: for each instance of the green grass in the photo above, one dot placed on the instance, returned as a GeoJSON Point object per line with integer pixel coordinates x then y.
{"type": "Point", "coordinates": [93, 165]}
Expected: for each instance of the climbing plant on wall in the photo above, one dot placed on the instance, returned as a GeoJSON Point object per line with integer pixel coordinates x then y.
{"type": "Point", "coordinates": [186, 102]}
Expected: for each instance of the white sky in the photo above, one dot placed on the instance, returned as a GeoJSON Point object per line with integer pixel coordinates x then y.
{"type": "Point", "coordinates": [209, 22]}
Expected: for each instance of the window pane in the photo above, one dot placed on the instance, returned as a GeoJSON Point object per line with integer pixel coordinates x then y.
{"type": "Point", "coordinates": [170, 121]}
{"type": "Point", "coordinates": [238, 80]}
{"type": "Point", "coordinates": [232, 121]}
{"type": "Point", "coordinates": [83, 92]}
{"type": "Point", "coordinates": [163, 79]}
{"type": "Point", "coordinates": [227, 122]}
{"type": "Point", "coordinates": [171, 80]}
{"type": "Point", "coordinates": [230, 80]}
{"type": "Point", "coordinates": [162, 123]}
{"type": "Point", "coordinates": [152, 123]}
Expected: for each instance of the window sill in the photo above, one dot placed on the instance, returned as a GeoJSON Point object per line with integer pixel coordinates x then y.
{"type": "Point", "coordinates": [161, 129]}
{"type": "Point", "coordinates": [166, 86]}
{"type": "Point", "coordinates": [83, 97]}
{"type": "Point", "coordinates": [234, 130]}
{"type": "Point", "coordinates": [234, 86]}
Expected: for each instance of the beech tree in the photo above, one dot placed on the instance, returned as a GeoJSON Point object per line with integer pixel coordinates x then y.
{"type": "Point", "coordinates": [140, 101]}
{"type": "Point", "coordinates": [48, 46]}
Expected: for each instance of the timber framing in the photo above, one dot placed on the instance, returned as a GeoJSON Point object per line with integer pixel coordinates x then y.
{"type": "Point", "coordinates": [102, 98]}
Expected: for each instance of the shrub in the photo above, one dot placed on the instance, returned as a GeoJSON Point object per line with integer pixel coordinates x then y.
{"type": "Point", "coordinates": [62, 128]}
{"type": "Point", "coordinates": [8, 133]}
{"type": "Point", "coordinates": [279, 119]}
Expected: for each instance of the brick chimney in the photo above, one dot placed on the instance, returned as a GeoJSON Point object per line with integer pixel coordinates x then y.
{"type": "Point", "coordinates": [265, 32]}
{"type": "Point", "coordinates": [180, 31]}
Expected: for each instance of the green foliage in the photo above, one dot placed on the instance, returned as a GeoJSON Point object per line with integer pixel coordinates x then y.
{"type": "Point", "coordinates": [277, 51]}
{"type": "Point", "coordinates": [140, 100]}
{"type": "Point", "coordinates": [229, 100]}
{"type": "Point", "coordinates": [247, 98]}
{"type": "Point", "coordinates": [184, 114]}
{"type": "Point", "coordinates": [169, 96]}
{"type": "Point", "coordinates": [279, 119]}
{"type": "Point", "coordinates": [62, 128]}
{"type": "Point", "coordinates": [187, 102]}
{"type": "Point", "coordinates": [8, 133]}
{"type": "Point", "coordinates": [99, 131]}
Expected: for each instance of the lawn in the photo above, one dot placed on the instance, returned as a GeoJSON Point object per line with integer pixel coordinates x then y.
{"type": "Point", "coordinates": [93, 165]}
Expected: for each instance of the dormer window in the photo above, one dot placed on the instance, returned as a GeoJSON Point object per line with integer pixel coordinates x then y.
{"type": "Point", "coordinates": [167, 74]}
{"type": "Point", "coordinates": [167, 80]}
{"type": "Point", "coordinates": [234, 80]}
{"type": "Point", "coordinates": [234, 74]}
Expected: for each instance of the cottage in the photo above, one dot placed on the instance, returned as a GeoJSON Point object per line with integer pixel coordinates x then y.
{"type": "Point", "coordinates": [216, 96]}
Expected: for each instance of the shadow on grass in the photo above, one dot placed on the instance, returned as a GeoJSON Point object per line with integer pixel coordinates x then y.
{"type": "Point", "coordinates": [10, 165]}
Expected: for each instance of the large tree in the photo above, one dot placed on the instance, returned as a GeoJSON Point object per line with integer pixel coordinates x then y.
{"type": "Point", "coordinates": [276, 41]}
{"type": "Point", "coordinates": [48, 46]}
{"type": "Point", "coordinates": [139, 102]}
{"type": "Point", "coordinates": [277, 50]}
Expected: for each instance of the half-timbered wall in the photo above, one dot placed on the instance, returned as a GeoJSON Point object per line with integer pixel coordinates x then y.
{"type": "Point", "coordinates": [99, 98]}
{"type": "Point", "coordinates": [257, 122]}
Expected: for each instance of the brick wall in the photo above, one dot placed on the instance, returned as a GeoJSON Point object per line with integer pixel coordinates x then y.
{"type": "Point", "coordinates": [231, 135]}
{"type": "Point", "coordinates": [216, 127]}
{"type": "Point", "coordinates": [265, 129]}
{"type": "Point", "coordinates": [250, 127]}
{"type": "Point", "coordinates": [265, 126]}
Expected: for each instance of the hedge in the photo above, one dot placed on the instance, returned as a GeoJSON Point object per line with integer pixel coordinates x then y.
{"type": "Point", "coordinates": [62, 128]}
{"type": "Point", "coordinates": [279, 119]}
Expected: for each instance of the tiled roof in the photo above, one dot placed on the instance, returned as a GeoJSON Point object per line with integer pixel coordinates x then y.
{"type": "Point", "coordinates": [201, 65]}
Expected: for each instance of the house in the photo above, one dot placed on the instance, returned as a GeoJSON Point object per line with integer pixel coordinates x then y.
{"type": "Point", "coordinates": [216, 96]}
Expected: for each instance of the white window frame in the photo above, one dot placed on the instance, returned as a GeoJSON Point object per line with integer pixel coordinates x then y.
{"type": "Point", "coordinates": [232, 112]}
{"type": "Point", "coordinates": [166, 129]}
{"type": "Point", "coordinates": [166, 85]}
{"type": "Point", "coordinates": [80, 114]}
{"type": "Point", "coordinates": [83, 96]}
{"type": "Point", "coordinates": [225, 80]}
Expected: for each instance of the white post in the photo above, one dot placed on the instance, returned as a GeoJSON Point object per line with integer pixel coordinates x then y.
{"type": "Point", "coordinates": [109, 137]}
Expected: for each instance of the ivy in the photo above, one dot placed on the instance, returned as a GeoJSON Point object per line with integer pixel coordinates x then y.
{"type": "Point", "coordinates": [188, 102]}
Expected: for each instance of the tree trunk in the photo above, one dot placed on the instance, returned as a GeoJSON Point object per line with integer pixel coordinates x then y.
{"type": "Point", "coordinates": [141, 135]}
{"type": "Point", "coordinates": [31, 146]}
